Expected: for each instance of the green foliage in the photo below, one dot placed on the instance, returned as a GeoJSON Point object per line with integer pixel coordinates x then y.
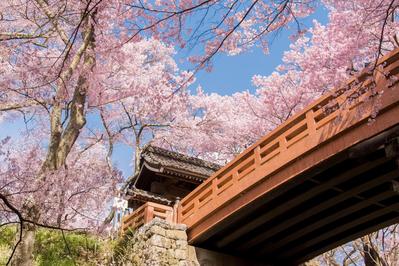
{"type": "Point", "coordinates": [52, 248]}
{"type": "Point", "coordinates": [4, 254]}
{"type": "Point", "coordinates": [7, 236]}
{"type": "Point", "coordinates": [122, 247]}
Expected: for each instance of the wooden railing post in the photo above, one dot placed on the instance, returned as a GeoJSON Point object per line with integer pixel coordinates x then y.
{"type": "Point", "coordinates": [311, 123]}
{"type": "Point", "coordinates": [235, 176]}
{"type": "Point", "coordinates": [257, 155]}
{"type": "Point", "coordinates": [169, 217]}
{"type": "Point", "coordinates": [214, 188]}
{"type": "Point", "coordinates": [179, 213]}
{"type": "Point", "coordinates": [148, 213]}
{"type": "Point", "coordinates": [283, 143]}
{"type": "Point", "coordinates": [175, 214]}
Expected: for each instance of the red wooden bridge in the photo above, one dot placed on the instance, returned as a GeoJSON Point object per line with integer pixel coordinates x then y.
{"type": "Point", "coordinates": [324, 177]}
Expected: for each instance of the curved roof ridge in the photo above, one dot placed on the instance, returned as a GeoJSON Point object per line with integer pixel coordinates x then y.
{"type": "Point", "coordinates": [180, 157]}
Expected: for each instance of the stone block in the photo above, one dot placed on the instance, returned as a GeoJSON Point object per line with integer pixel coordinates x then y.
{"type": "Point", "coordinates": [192, 255]}
{"type": "Point", "coordinates": [188, 263]}
{"type": "Point", "coordinates": [157, 230]}
{"type": "Point", "coordinates": [159, 222]}
{"type": "Point", "coordinates": [181, 244]}
{"type": "Point", "coordinates": [176, 234]}
{"type": "Point", "coordinates": [181, 254]}
{"type": "Point", "coordinates": [160, 241]}
{"type": "Point", "coordinates": [155, 253]}
{"type": "Point", "coordinates": [181, 227]}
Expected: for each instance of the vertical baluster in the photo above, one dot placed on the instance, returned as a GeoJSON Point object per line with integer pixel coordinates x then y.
{"type": "Point", "coordinates": [283, 142]}
{"type": "Point", "coordinates": [257, 156]}
{"type": "Point", "coordinates": [214, 188]}
{"type": "Point", "coordinates": [196, 206]}
{"type": "Point", "coordinates": [310, 121]}
{"type": "Point", "coordinates": [179, 214]}
{"type": "Point", "coordinates": [379, 77]}
{"type": "Point", "coordinates": [235, 177]}
{"type": "Point", "coordinates": [180, 209]}
{"type": "Point", "coordinates": [175, 212]}
{"type": "Point", "coordinates": [169, 216]}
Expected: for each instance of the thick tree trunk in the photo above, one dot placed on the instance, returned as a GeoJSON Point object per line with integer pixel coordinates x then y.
{"type": "Point", "coordinates": [61, 140]}
{"type": "Point", "coordinates": [24, 251]}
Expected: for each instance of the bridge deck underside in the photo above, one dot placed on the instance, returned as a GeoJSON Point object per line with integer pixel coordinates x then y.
{"type": "Point", "coordinates": [328, 205]}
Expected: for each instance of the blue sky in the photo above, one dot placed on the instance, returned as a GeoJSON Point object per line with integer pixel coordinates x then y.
{"type": "Point", "coordinates": [230, 74]}
{"type": "Point", "coordinates": [233, 73]}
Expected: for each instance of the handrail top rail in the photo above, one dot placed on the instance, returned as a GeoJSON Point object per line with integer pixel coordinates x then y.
{"type": "Point", "coordinates": [144, 214]}
{"type": "Point", "coordinates": [144, 206]}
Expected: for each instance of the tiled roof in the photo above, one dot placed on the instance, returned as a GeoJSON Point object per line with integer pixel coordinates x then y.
{"type": "Point", "coordinates": [148, 196]}
{"type": "Point", "coordinates": [177, 163]}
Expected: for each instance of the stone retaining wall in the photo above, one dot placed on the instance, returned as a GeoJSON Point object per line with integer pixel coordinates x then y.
{"type": "Point", "coordinates": [161, 243]}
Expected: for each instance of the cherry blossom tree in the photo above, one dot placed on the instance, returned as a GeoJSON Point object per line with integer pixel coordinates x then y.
{"type": "Point", "coordinates": [327, 55]}
{"type": "Point", "coordinates": [319, 60]}
{"type": "Point", "coordinates": [379, 248]}
{"type": "Point", "coordinates": [213, 127]}
{"type": "Point", "coordinates": [141, 95]}
{"type": "Point", "coordinates": [62, 61]}
{"type": "Point", "coordinates": [67, 199]}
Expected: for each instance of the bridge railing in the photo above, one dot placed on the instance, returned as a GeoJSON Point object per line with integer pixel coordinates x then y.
{"type": "Point", "coordinates": [144, 215]}
{"type": "Point", "coordinates": [300, 134]}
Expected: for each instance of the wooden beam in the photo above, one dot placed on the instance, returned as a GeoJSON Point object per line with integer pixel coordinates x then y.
{"type": "Point", "coordinates": [293, 252]}
{"type": "Point", "coordinates": [316, 209]}
{"type": "Point", "coordinates": [359, 197]}
{"type": "Point", "coordinates": [370, 145]}
{"type": "Point", "coordinates": [316, 224]}
{"type": "Point", "coordinates": [284, 207]}
{"type": "Point", "coordinates": [320, 250]}
{"type": "Point", "coordinates": [232, 223]}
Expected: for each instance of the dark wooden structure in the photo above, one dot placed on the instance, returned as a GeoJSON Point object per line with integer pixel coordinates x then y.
{"type": "Point", "coordinates": [165, 176]}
